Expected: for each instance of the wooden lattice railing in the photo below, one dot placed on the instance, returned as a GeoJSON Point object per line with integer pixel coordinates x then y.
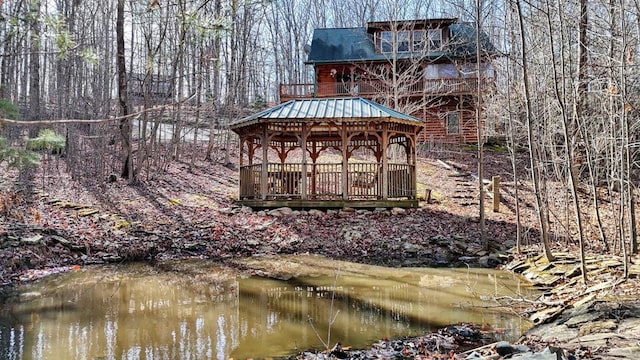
{"type": "Point", "coordinates": [324, 181]}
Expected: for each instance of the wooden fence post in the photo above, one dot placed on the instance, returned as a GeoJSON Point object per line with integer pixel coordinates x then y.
{"type": "Point", "coordinates": [495, 182]}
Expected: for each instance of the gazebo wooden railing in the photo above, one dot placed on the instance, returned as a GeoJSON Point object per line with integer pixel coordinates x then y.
{"type": "Point", "coordinates": [324, 181]}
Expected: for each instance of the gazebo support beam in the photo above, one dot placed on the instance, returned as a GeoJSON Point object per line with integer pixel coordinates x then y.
{"type": "Point", "coordinates": [303, 146]}
{"type": "Point", "coordinates": [264, 139]}
{"type": "Point", "coordinates": [385, 161]}
{"type": "Point", "coordinates": [345, 161]}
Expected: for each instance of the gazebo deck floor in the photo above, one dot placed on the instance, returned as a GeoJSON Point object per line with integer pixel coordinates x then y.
{"type": "Point", "coordinates": [329, 204]}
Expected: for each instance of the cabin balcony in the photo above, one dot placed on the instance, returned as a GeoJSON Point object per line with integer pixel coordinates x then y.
{"type": "Point", "coordinates": [327, 185]}
{"type": "Point", "coordinates": [374, 88]}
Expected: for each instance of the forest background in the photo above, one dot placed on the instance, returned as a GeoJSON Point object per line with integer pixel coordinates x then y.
{"type": "Point", "coordinates": [566, 89]}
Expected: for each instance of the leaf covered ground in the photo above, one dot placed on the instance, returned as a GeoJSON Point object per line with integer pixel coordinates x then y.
{"type": "Point", "coordinates": [51, 222]}
{"type": "Point", "coordinates": [189, 211]}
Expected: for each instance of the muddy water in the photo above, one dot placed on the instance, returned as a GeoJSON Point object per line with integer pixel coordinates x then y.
{"type": "Point", "coordinates": [202, 310]}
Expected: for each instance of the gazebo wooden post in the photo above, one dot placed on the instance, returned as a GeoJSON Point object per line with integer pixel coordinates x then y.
{"type": "Point", "coordinates": [303, 146]}
{"type": "Point", "coordinates": [264, 140]}
{"type": "Point", "coordinates": [345, 161]}
{"type": "Point", "coordinates": [314, 159]}
{"type": "Point", "coordinates": [412, 160]}
{"type": "Point", "coordinates": [385, 162]}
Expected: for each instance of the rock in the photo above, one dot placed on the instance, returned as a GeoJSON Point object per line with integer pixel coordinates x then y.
{"type": "Point", "coordinates": [597, 326]}
{"type": "Point", "coordinates": [227, 211]}
{"type": "Point", "coordinates": [261, 213]}
{"type": "Point", "coordinates": [253, 242]}
{"type": "Point", "coordinates": [483, 261]}
{"type": "Point", "coordinates": [630, 325]}
{"type": "Point", "coordinates": [265, 225]}
{"type": "Point", "coordinates": [288, 242]}
{"type": "Point", "coordinates": [60, 240]}
{"type": "Point", "coordinates": [599, 339]}
{"type": "Point", "coordinates": [546, 354]}
{"type": "Point", "coordinates": [398, 211]}
{"type": "Point", "coordinates": [283, 211]}
{"type": "Point", "coordinates": [112, 258]}
{"type": "Point", "coordinates": [632, 352]}
{"type": "Point", "coordinates": [460, 244]}
{"type": "Point", "coordinates": [553, 332]}
{"type": "Point", "coordinates": [504, 348]}
{"type": "Point", "coordinates": [246, 210]}
{"type": "Point", "coordinates": [411, 248]}
{"type": "Point", "coordinates": [508, 244]}
{"type": "Point", "coordinates": [274, 213]}
{"type": "Point", "coordinates": [316, 212]}
{"type": "Point", "coordinates": [440, 240]}
{"type": "Point", "coordinates": [583, 318]}
{"type": "Point", "coordinates": [33, 240]}
{"type": "Point", "coordinates": [468, 259]}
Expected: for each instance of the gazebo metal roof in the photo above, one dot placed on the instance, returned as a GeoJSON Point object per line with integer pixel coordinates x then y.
{"type": "Point", "coordinates": [335, 109]}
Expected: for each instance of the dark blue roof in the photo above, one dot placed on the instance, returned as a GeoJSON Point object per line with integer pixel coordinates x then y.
{"type": "Point", "coordinates": [355, 44]}
{"type": "Point", "coordinates": [338, 109]}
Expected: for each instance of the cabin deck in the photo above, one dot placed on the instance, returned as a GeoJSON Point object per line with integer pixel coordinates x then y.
{"type": "Point", "coordinates": [373, 88]}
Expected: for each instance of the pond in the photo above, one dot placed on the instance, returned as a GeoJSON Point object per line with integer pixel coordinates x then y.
{"type": "Point", "coordinates": [198, 309]}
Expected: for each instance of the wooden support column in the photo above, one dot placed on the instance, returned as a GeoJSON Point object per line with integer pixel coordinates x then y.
{"type": "Point", "coordinates": [264, 140]}
{"type": "Point", "coordinates": [345, 162]}
{"type": "Point", "coordinates": [314, 159]}
{"type": "Point", "coordinates": [385, 161]}
{"type": "Point", "coordinates": [413, 162]}
{"type": "Point", "coordinates": [303, 146]}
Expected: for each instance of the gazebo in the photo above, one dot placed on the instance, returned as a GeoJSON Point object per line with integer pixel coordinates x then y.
{"type": "Point", "coordinates": [328, 153]}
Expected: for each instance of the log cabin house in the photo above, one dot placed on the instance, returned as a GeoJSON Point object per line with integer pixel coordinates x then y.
{"type": "Point", "coordinates": [425, 68]}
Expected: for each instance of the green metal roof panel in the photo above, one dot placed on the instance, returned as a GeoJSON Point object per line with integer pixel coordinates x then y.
{"type": "Point", "coordinates": [334, 108]}
{"type": "Point", "coordinates": [355, 44]}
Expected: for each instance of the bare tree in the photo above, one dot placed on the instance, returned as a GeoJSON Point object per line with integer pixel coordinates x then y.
{"type": "Point", "coordinates": [125, 124]}
{"type": "Point", "coordinates": [541, 204]}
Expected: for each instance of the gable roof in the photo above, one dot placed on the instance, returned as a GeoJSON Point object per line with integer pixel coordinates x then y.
{"type": "Point", "coordinates": [336, 109]}
{"type": "Point", "coordinates": [339, 45]}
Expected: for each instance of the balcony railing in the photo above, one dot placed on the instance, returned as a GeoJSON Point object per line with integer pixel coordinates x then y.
{"type": "Point", "coordinates": [372, 88]}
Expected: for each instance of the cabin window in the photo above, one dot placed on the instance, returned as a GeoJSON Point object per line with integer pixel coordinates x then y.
{"type": "Point", "coordinates": [434, 39]}
{"type": "Point", "coordinates": [386, 41]}
{"type": "Point", "coordinates": [419, 40]}
{"type": "Point", "coordinates": [410, 40]}
{"type": "Point", "coordinates": [453, 123]}
{"type": "Point", "coordinates": [404, 41]}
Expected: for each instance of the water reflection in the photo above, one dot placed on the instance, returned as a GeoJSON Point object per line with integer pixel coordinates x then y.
{"type": "Point", "coordinates": [198, 310]}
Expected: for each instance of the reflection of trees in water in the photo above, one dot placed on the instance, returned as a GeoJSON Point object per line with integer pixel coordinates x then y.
{"type": "Point", "coordinates": [192, 310]}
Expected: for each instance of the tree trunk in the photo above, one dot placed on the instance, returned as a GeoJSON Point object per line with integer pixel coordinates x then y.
{"type": "Point", "coordinates": [34, 64]}
{"type": "Point", "coordinates": [125, 124]}
{"type": "Point", "coordinates": [541, 206]}
{"type": "Point", "coordinates": [483, 235]}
